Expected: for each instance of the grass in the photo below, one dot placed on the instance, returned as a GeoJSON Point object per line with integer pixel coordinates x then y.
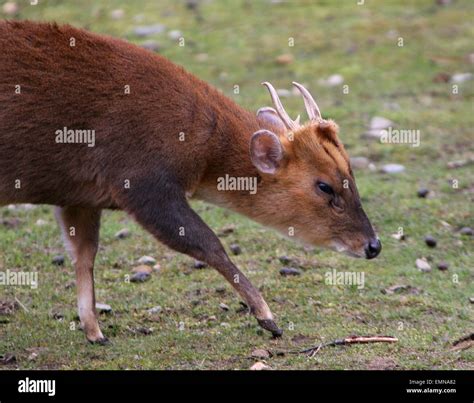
{"type": "Point", "coordinates": [242, 40]}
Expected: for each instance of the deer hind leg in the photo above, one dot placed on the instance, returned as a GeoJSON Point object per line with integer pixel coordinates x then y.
{"type": "Point", "coordinates": [80, 230]}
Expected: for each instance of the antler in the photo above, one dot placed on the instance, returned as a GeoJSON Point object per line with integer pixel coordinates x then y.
{"type": "Point", "coordinates": [289, 123]}
{"type": "Point", "coordinates": [311, 106]}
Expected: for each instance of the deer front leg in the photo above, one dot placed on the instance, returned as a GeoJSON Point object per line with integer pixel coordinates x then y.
{"type": "Point", "coordinates": [80, 229]}
{"type": "Point", "coordinates": [161, 207]}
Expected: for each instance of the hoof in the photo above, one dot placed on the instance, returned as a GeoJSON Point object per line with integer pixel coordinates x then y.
{"type": "Point", "coordinates": [104, 341]}
{"type": "Point", "coordinates": [271, 326]}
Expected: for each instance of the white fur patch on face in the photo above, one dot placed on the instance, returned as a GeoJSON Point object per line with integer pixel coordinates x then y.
{"type": "Point", "coordinates": [343, 248]}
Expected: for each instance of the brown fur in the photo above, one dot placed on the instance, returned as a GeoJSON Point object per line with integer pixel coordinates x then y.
{"type": "Point", "coordinates": [137, 140]}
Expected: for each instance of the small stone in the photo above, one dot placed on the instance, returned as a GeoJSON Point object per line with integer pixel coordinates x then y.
{"type": "Point", "coordinates": [140, 277]}
{"type": "Point", "coordinates": [393, 168]}
{"type": "Point", "coordinates": [103, 308]}
{"type": "Point", "coordinates": [224, 231]}
{"type": "Point", "coordinates": [117, 14]}
{"type": "Point", "coordinates": [285, 59]}
{"type": "Point", "coordinates": [466, 231]}
{"type": "Point", "coordinates": [461, 77]}
{"type": "Point", "coordinates": [285, 259]}
{"type": "Point", "coordinates": [359, 162]}
{"type": "Point", "coordinates": [422, 192]}
{"type": "Point", "coordinates": [398, 236]}
{"type": "Point", "coordinates": [380, 123]}
{"type": "Point", "coordinates": [284, 93]}
{"type": "Point", "coordinates": [155, 310]}
{"type": "Point", "coordinates": [220, 290]}
{"type": "Point", "coordinates": [423, 265]}
{"type": "Point", "coordinates": [149, 30]}
{"type": "Point", "coordinates": [157, 267]}
{"type": "Point", "coordinates": [150, 44]}
{"type": "Point", "coordinates": [290, 271]}
{"type": "Point", "coordinates": [147, 260]}
{"type": "Point", "coordinates": [225, 324]}
{"type": "Point", "coordinates": [223, 306]}
{"type": "Point", "coordinates": [142, 269]}
{"type": "Point", "coordinates": [443, 266]}
{"type": "Point", "coordinates": [122, 234]}
{"type": "Point", "coordinates": [236, 249]}
{"type": "Point", "coordinates": [175, 34]}
{"type": "Point", "coordinates": [10, 8]}
{"type": "Point", "coordinates": [40, 222]}
{"type": "Point", "coordinates": [259, 366]}
{"type": "Point", "coordinates": [261, 354]}
{"type": "Point", "coordinates": [430, 241]}
{"type": "Point", "coordinates": [7, 358]}
{"type": "Point", "coordinates": [199, 265]}
{"type": "Point", "coordinates": [471, 300]}
{"type": "Point", "coordinates": [58, 260]}
{"type": "Point", "coordinates": [334, 80]}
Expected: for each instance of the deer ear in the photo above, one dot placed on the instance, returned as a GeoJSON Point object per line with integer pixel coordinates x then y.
{"type": "Point", "coordinates": [266, 151]}
{"type": "Point", "coordinates": [268, 117]}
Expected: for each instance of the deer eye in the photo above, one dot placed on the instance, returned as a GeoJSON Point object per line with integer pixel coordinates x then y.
{"type": "Point", "coordinates": [324, 187]}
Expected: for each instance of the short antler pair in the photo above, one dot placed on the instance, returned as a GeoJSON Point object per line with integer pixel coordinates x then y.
{"type": "Point", "coordinates": [311, 107]}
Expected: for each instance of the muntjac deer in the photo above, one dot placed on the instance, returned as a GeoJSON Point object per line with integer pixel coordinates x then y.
{"type": "Point", "coordinates": [151, 136]}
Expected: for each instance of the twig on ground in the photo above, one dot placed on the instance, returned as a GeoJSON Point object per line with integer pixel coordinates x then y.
{"type": "Point", "coordinates": [312, 351]}
{"type": "Point", "coordinates": [463, 343]}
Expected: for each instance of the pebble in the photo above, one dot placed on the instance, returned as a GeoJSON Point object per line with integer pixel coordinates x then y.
{"type": "Point", "coordinates": [423, 265]}
{"type": "Point", "coordinates": [122, 234]}
{"type": "Point", "coordinates": [461, 77]}
{"type": "Point", "coordinates": [223, 306]}
{"type": "Point", "coordinates": [142, 269]}
{"type": "Point", "coordinates": [199, 265]}
{"type": "Point", "coordinates": [290, 271]}
{"type": "Point", "coordinates": [40, 222]}
{"type": "Point", "coordinates": [220, 290]}
{"type": "Point", "coordinates": [423, 192]}
{"type": "Point", "coordinates": [259, 366]}
{"type": "Point", "coordinates": [58, 260]}
{"type": "Point", "coordinates": [443, 266]}
{"type": "Point", "coordinates": [150, 44]}
{"type": "Point", "coordinates": [285, 259]}
{"type": "Point", "coordinates": [155, 310]}
{"type": "Point", "coordinates": [285, 59]}
{"type": "Point", "coordinates": [147, 260]}
{"type": "Point", "coordinates": [140, 277]}
{"type": "Point", "coordinates": [430, 241]}
{"type": "Point", "coordinates": [260, 353]}
{"type": "Point", "coordinates": [466, 231]}
{"type": "Point", "coordinates": [175, 34]}
{"type": "Point", "coordinates": [380, 123]}
{"type": "Point", "coordinates": [284, 93]}
{"type": "Point", "coordinates": [147, 30]}
{"type": "Point", "coordinates": [117, 14]}
{"type": "Point", "coordinates": [471, 300]}
{"type": "Point", "coordinates": [360, 162]}
{"type": "Point", "coordinates": [334, 80]}
{"type": "Point", "coordinates": [398, 236]}
{"type": "Point", "coordinates": [103, 308]}
{"type": "Point", "coordinates": [10, 8]}
{"type": "Point", "coordinates": [236, 249]}
{"type": "Point", "coordinates": [393, 168]}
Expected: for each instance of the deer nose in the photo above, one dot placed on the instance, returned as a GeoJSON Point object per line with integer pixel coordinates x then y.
{"type": "Point", "coordinates": [373, 248]}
